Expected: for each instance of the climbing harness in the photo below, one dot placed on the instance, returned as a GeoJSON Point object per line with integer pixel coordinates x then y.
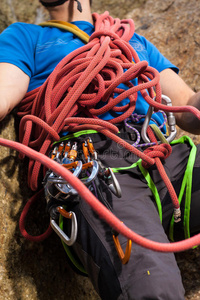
{"type": "Point", "coordinates": [81, 88]}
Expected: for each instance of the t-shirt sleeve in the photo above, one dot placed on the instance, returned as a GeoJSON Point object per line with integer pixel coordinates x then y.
{"type": "Point", "coordinates": [157, 59]}
{"type": "Point", "coordinates": [17, 47]}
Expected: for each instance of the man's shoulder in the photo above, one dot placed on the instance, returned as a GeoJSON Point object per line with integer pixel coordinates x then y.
{"type": "Point", "coordinates": [23, 27]}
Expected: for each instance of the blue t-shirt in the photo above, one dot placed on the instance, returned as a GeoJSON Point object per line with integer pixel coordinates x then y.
{"type": "Point", "coordinates": [37, 50]}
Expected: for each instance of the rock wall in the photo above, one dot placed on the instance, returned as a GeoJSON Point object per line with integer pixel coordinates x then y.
{"type": "Point", "coordinates": [41, 271]}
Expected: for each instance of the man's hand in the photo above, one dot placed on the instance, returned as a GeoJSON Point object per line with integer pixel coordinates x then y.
{"type": "Point", "coordinates": [181, 94]}
{"type": "Point", "coordinates": [13, 87]}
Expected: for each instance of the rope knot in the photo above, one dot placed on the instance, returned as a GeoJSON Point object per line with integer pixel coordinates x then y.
{"type": "Point", "coordinates": [161, 151]}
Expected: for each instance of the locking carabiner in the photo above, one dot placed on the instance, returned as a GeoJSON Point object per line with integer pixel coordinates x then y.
{"type": "Point", "coordinates": [170, 118]}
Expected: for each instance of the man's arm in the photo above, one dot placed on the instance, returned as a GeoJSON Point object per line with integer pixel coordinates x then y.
{"type": "Point", "coordinates": [13, 87]}
{"type": "Point", "coordinates": [181, 94]}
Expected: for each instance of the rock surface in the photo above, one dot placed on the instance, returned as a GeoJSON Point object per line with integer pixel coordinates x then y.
{"type": "Point", "coordinates": [40, 271]}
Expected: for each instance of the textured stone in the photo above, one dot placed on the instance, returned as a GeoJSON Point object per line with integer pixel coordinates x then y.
{"type": "Point", "coordinates": [41, 271]}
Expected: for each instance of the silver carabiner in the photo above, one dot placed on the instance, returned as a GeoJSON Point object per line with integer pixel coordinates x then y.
{"type": "Point", "coordinates": [74, 229]}
{"type": "Point", "coordinates": [93, 175]}
{"type": "Point", "coordinates": [170, 118]}
{"type": "Point", "coordinates": [114, 185]}
{"type": "Point", "coordinates": [62, 184]}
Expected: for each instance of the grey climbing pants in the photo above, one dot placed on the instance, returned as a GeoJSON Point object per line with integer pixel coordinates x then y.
{"type": "Point", "coordinates": [148, 274]}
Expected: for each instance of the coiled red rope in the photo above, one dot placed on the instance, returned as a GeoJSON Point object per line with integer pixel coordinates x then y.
{"type": "Point", "coordinates": [83, 84]}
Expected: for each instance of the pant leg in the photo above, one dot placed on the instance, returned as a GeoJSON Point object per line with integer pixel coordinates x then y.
{"type": "Point", "coordinates": [148, 274]}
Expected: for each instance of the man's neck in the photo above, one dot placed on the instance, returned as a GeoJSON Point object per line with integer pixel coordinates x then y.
{"type": "Point", "coordinates": [68, 12]}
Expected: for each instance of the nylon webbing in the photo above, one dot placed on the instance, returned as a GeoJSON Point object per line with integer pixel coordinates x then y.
{"type": "Point", "coordinates": [185, 187]}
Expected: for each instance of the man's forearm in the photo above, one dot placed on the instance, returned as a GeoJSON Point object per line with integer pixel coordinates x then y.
{"type": "Point", "coordinates": [13, 86]}
{"type": "Point", "coordinates": [188, 121]}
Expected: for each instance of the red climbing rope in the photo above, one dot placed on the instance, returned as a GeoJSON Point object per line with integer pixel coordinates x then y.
{"type": "Point", "coordinates": [97, 206]}
{"type": "Point", "coordinates": [86, 77]}
{"type": "Point", "coordinates": [23, 216]}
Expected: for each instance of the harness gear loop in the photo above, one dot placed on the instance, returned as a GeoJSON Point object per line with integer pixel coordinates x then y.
{"type": "Point", "coordinates": [74, 228]}
{"type": "Point", "coordinates": [123, 256]}
{"type": "Point", "coordinates": [170, 117]}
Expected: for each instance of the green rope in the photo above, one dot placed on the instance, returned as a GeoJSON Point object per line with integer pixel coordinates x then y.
{"type": "Point", "coordinates": [77, 264]}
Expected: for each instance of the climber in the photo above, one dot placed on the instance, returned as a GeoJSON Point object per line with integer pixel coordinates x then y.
{"type": "Point", "coordinates": [29, 54]}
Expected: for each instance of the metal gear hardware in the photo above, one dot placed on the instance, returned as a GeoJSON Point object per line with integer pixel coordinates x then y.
{"type": "Point", "coordinates": [170, 117]}
{"type": "Point", "coordinates": [123, 256]}
{"type": "Point", "coordinates": [81, 159]}
{"type": "Point", "coordinates": [74, 228]}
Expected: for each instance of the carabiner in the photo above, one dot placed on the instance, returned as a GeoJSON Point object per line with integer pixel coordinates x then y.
{"type": "Point", "coordinates": [91, 148]}
{"type": "Point", "coordinates": [123, 256]}
{"type": "Point", "coordinates": [95, 170]}
{"type": "Point", "coordinates": [170, 118]}
{"type": "Point", "coordinates": [74, 228]}
{"type": "Point", "coordinates": [62, 184]}
{"type": "Point", "coordinates": [114, 185]}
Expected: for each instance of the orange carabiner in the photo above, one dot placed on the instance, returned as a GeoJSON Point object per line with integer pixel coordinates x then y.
{"type": "Point", "coordinates": [70, 165]}
{"type": "Point", "coordinates": [124, 257]}
{"type": "Point", "coordinates": [91, 148]}
{"type": "Point", "coordinates": [85, 151]}
{"type": "Point", "coordinates": [87, 165]}
{"type": "Point", "coordinates": [64, 213]}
